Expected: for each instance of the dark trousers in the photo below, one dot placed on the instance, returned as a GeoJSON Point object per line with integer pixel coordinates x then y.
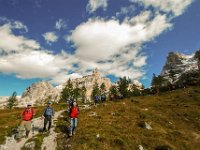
{"type": "Point", "coordinates": [46, 120]}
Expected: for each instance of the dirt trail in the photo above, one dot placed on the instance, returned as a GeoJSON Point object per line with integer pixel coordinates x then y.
{"type": "Point", "coordinates": [49, 142]}
{"type": "Point", "coordinates": [12, 144]}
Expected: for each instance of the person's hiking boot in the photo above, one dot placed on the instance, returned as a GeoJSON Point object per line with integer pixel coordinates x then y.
{"type": "Point", "coordinates": [27, 133]}
{"type": "Point", "coordinates": [74, 132]}
{"type": "Point", "coordinates": [44, 130]}
{"type": "Point", "coordinates": [70, 134]}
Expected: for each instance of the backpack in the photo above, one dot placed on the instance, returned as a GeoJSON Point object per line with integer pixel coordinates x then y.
{"type": "Point", "coordinates": [70, 103]}
{"type": "Point", "coordinates": [48, 111]}
{"type": "Point", "coordinates": [28, 114]}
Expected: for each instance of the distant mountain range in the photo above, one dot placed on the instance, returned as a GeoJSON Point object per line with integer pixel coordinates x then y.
{"type": "Point", "coordinates": [39, 92]}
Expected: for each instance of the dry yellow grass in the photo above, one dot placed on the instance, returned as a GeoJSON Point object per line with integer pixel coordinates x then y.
{"type": "Point", "coordinates": [174, 117]}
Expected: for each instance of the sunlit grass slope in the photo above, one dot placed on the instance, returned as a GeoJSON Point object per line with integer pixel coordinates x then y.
{"type": "Point", "coordinates": [174, 118]}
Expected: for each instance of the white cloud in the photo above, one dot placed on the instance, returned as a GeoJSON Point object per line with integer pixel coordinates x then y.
{"type": "Point", "coordinates": [93, 5]}
{"type": "Point", "coordinates": [99, 39]}
{"type": "Point", "coordinates": [11, 42]}
{"type": "Point", "coordinates": [20, 25]}
{"type": "Point", "coordinates": [62, 77]}
{"type": "Point", "coordinates": [60, 24]}
{"type": "Point", "coordinates": [114, 47]}
{"type": "Point", "coordinates": [177, 7]}
{"type": "Point", "coordinates": [126, 11]}
{"type": "Point", "coordinates": [111, 45]}
{"type": "Point", "coordinates": [50, 37]}
{"type": "Point", "coordinates": [27, 59]}
{"type": "Point", "coordinates": [14, 24]}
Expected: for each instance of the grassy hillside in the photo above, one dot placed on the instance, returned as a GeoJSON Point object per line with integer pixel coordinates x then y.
{"type": "Point", "coordinates": [174, 118]}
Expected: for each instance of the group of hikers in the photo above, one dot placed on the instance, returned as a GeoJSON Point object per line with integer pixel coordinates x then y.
{"type": "Point", "coordinates": [100, 98]}
{"type": "Point", "coordinates": [48, 113]}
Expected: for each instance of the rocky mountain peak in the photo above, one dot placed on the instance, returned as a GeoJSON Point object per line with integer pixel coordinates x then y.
{"type": "Point", "coordinates": [38, 93]}
{"type": "Point", "coordinates": [89, 80]}
{"type": "Point", "coordinates": [178, 63]}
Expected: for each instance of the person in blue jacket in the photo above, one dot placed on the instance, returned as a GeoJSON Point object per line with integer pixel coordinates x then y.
{"type": "Point", "coordinates": [48, 115]}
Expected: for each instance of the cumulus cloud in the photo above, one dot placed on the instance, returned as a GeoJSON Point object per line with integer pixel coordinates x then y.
{"type": "Point", "coordinates": [50, 37]}
{"type": "Point", "coordinates": [60, 24]}
{"type": "Point", "coordinates": [11, 42]}
{"type": "Point", "coordinates": [113, 46]}
{"type": "Point", "coordinates": [62, 77]}
{"type": "Point", "coordinates": [93, 5]}
{"type": "Point", "coordinates": [176, 7]}
{"type": "Point", "coordinates": [100, 39]}
{"type": "Point", "coordinates": [27, 59]}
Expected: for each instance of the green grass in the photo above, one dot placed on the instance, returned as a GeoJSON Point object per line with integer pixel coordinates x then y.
{"type": "Point", "coordinates": [174, 117]}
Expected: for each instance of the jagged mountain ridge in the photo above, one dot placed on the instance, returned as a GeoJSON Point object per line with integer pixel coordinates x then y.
{"type": "Point", "coordinates": [39, 93]}
{"type": "Point", "coordinates": [88, 81]}
{"type": "Point", "coordinates": [179, 64]}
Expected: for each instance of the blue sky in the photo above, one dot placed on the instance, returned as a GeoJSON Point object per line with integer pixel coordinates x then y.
{"type": "Point", "coordinates": [56, 40]}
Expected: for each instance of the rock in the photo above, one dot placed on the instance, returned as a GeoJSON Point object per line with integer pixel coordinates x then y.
{"type": "Point", "coordinates": [30, 145]}
{"type": "Point", "coordinates": [145, 125]}
{"type": "Point", "coordinates": [98, 136]}
{"type": "Point", "coordinates": [93, 114]}
{"type": "Point", "coordinates": [39, 93]}
{"type": "Point", "coordinates": [170, 123]}
{"type": "Point", "coordinates": [140, 147]}
{"type": "Point", "coordinates": [145, 109]}
{"type": "Point", "coordinates": [113, 114]}
{"type": "Point", "coordinates": [85, 107]}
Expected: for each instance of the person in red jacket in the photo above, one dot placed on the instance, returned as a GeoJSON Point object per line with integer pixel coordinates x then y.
{"type": "Point", "coordinates": [74, 111]}
{"type": "Point", "coordinates": [27, 116]}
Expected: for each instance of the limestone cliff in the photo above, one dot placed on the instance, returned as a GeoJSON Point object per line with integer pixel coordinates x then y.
{"type": "Point", "coordinates": [179, 64]}
{"type": "Point", "coordinates": [39, 93]}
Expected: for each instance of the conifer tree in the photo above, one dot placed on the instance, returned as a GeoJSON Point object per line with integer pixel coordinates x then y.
{"type": "Point", "coordinates": [12, 101]}
{"type": "Point", "coordinates": [123, 85]}
{"type": "Point", "coordinates": [67, 91]}
{"type": "Point", "coordinates": [95, 90]}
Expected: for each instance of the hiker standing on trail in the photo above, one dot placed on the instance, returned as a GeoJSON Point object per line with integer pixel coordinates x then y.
{"type": "Point", "coordinates": [48, 115]}
{"type": "Point", "coordinates": [70, 102]}
{"type": "Point", "coordinates": [27, 116]}
{"type": "Point", "coordinates": [74, 111]}
{"type": "Point", "coordinates": [103, 97]}
{"type": "Point", "coordinates": [96, 99]}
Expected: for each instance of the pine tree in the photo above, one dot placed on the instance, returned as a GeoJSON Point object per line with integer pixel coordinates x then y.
{"type": "Point", "coordinates": [12, 101]}
{"type": "Point", "coordinates": [83, 94]}
{"type": "Point", "coordinates": [67, 91]}
{"type": "Point", "coordinates": [103, 87]}
{"type": "Point", "coordinates": [76, 92]}
{"type": "Point", "coordinates": [95, 90]}
{"type": "Point", "coordinates": [134, 90]}
{"type": "Point", "coordinates": [123, 85]}
{"type": "Point", "coordinates": [113, 91]}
